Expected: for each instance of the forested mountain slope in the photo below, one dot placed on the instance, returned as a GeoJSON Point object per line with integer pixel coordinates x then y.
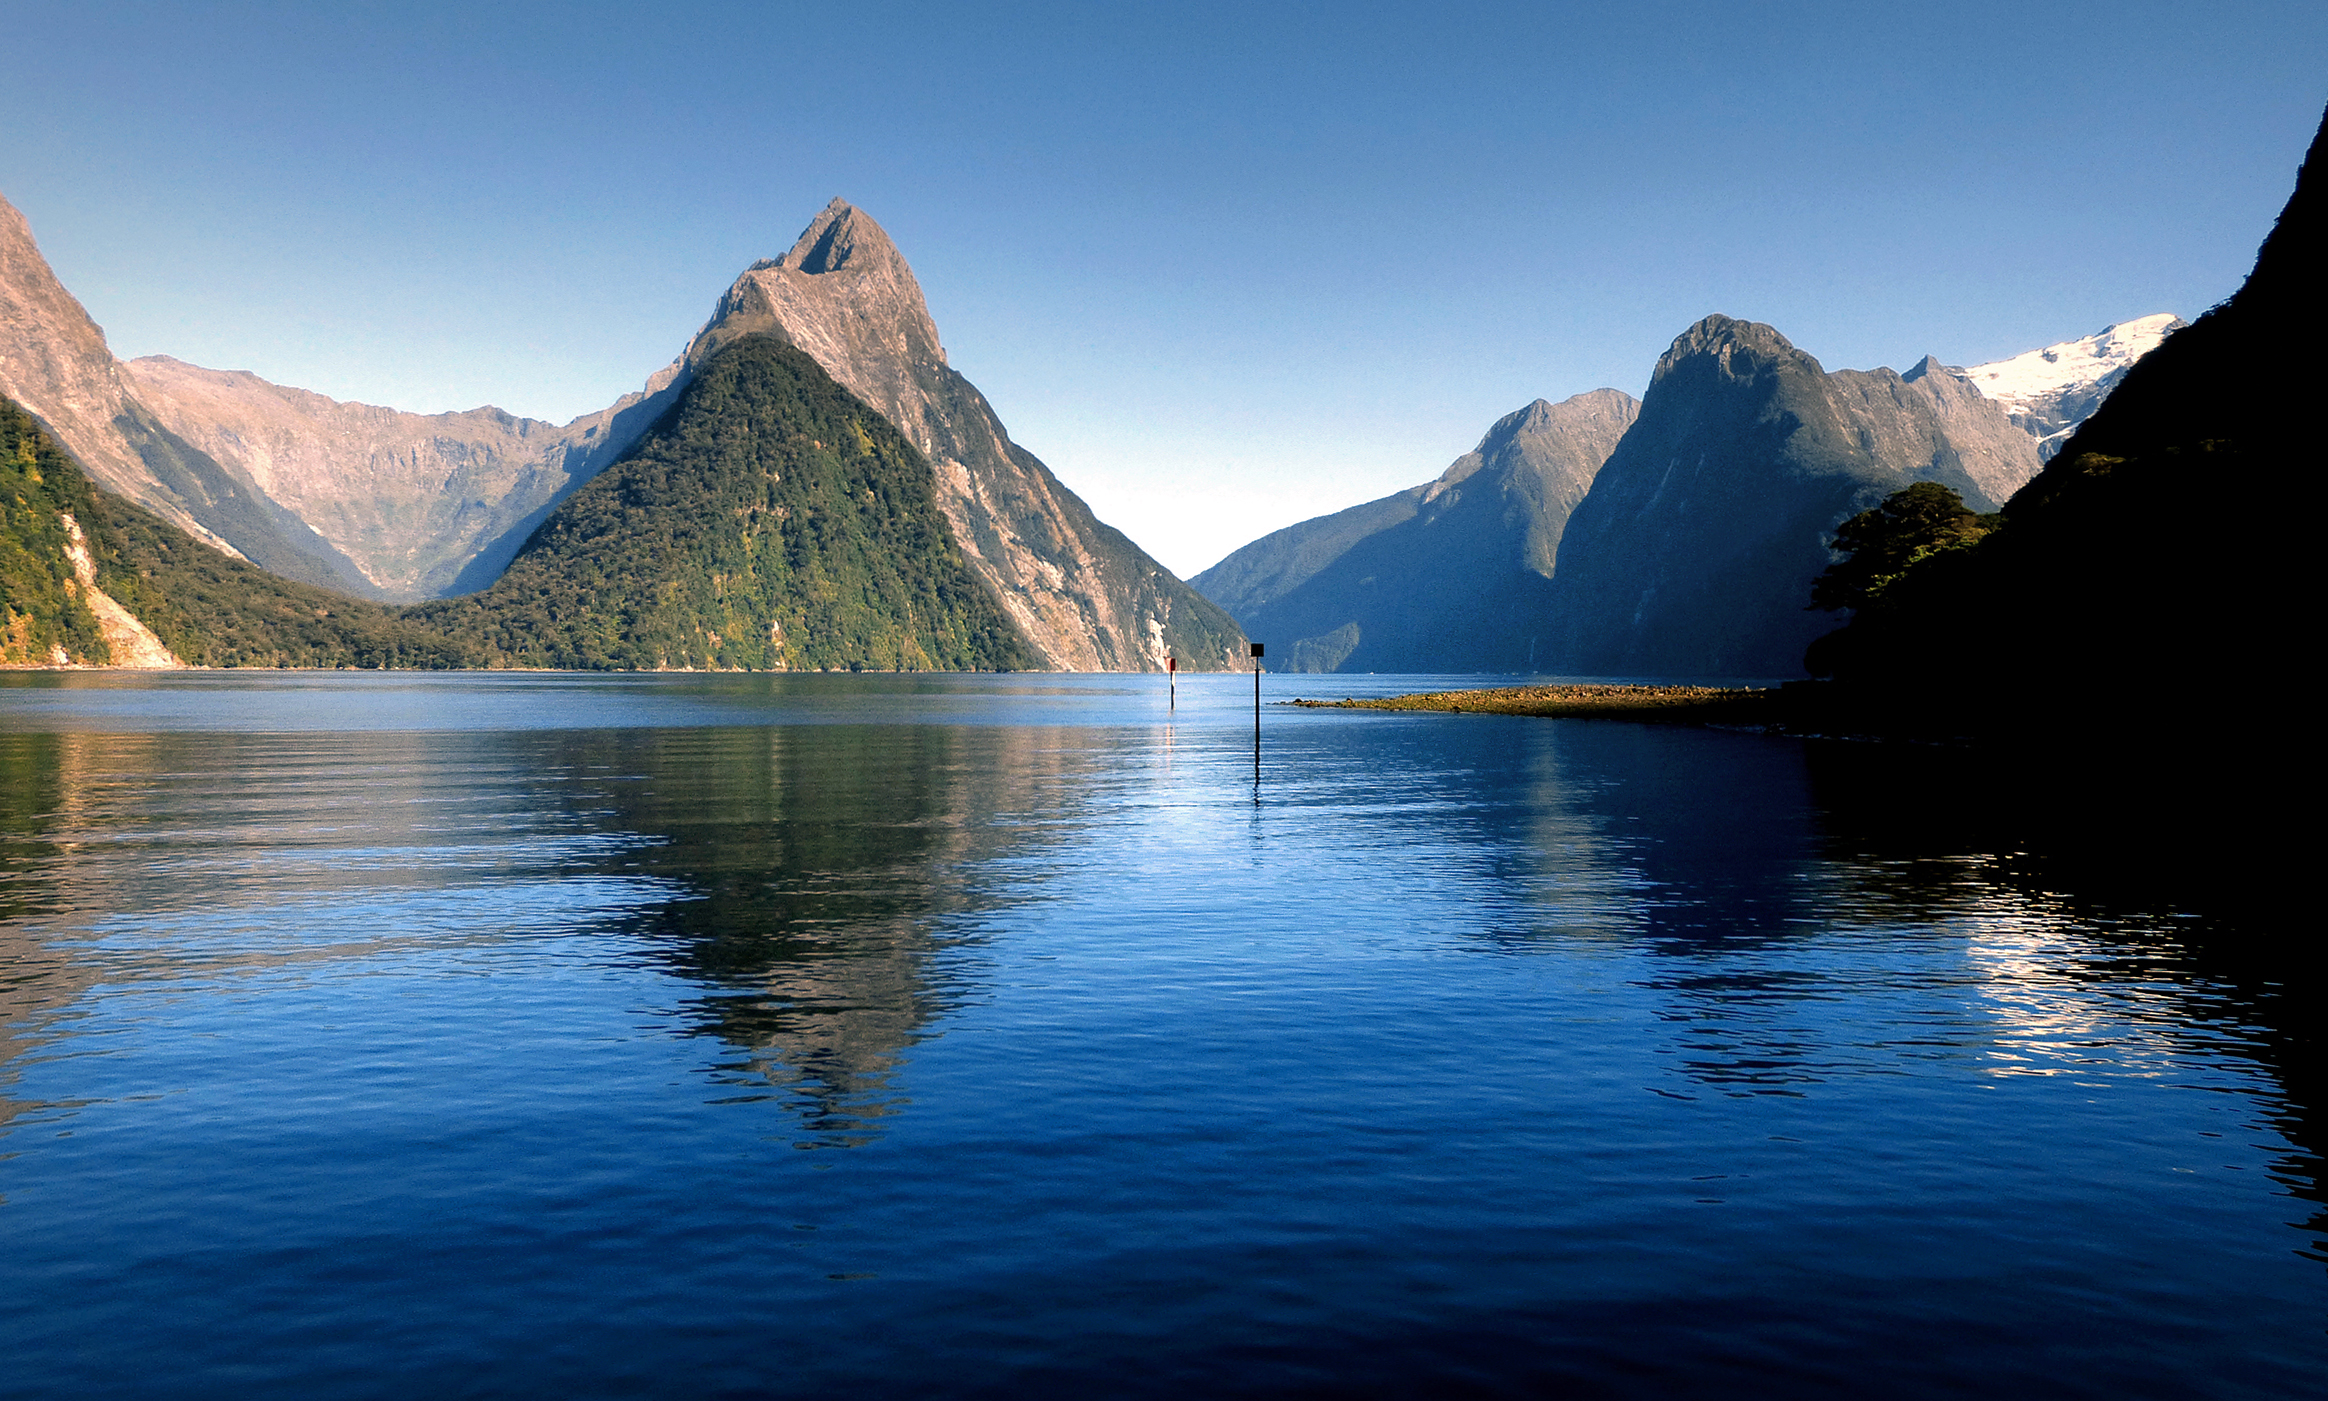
{"type": "Point", "coordinates": [770, 520]}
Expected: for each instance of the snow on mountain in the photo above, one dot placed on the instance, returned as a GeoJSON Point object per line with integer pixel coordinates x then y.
{"type": "Point", "coordinates": [2049, 392]}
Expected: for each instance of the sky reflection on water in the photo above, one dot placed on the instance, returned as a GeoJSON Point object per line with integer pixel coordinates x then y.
{"type": "Point", "coordinates": [594, 1035]}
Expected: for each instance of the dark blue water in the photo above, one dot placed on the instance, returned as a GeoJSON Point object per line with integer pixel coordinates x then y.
{"type": "Point", "coordinates": [584, 1036]}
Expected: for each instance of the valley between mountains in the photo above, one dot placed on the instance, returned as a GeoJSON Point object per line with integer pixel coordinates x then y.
{"type": "Point", "coordinates": [808, 485]}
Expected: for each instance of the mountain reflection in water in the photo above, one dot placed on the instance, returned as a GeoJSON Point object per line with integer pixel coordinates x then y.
{"type": "Point", "coordinates": [458, 1035]}
{"type": "Point", "coordinates": [819, 887]}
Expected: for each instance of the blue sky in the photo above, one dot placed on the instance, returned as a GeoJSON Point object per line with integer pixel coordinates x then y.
{"type": "Point", "coordinates": [1223, 267]}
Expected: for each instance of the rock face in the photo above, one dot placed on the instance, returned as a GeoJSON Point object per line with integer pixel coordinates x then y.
{"type": "Point", "coordinates": [2049, 392]}
{"type": "Point", "coordinates": [1993, 449]}
{"type": "Point", "coordinates": [54, 362]}
{"type": "Point", "coordinates": [1452, 575]}
{"type": "Point", "coordinates": [424, 504]}
{"type": "Point", "coordinates": [1085, 597]}
{"type": "Point", "coordinates": [1694, 552]}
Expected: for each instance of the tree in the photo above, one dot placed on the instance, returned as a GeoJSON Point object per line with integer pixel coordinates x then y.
{"type": "Point", "coordinates": [1881, 544]}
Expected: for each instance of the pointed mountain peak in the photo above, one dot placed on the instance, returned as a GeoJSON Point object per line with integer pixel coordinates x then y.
{"type": "Point", "coordinates": [845, 295]}
{"type": "Point", "coordinates": [842, 236]}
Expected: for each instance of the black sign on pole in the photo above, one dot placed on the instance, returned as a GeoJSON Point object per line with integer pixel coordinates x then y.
{"type": "Point", "coordinates": [1256, 648]}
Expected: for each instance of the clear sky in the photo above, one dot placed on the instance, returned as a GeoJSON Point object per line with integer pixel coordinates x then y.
{"type": "Point", "coordinates": [1223, 267]}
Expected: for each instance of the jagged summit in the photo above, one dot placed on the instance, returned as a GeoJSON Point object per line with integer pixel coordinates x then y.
{"type": "Point", "coordinates": [1727, 340]}
{"type": "Point", "coordinates": [844, 294]}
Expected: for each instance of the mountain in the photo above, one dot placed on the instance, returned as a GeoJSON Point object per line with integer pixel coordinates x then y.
{"type": "Point", "coordinates": [1447, 576]}
{"type": "Point", "coordinates": [423, 504]}
{"type": "Point", "coordinates": [1694, 552]}
{"type": "Point", "coordinates": [54, 362]}
{"type": "Point", "coordinates": [2049, 392]}
{"type": "Point", "coordinates": [770, 520]}
{"type": "Point", "coordinates": [410, 506]}
{"type": "Point", "coordinates": [2162, 563]}
{"type": "Point", "coordinates": [1084, 597]}
{"type": "Point", "coordinates": [89, 578]}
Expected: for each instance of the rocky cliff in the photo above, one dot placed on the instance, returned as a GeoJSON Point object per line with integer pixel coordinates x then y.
{"type": "Point", "coordinates": [1085, 597]}
{"type": "Point", "coordinates": [424, 504]}
{"type": "Point", "coordinates": [1451, 575]}
{"type": "Point", "coordinates": [54, 362]}
{"type": "Point", "coordinates": [1694, 552]}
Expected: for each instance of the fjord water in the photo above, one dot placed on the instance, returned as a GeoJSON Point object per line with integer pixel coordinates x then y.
{"type": "Point", "coordinates": [732, 1036]}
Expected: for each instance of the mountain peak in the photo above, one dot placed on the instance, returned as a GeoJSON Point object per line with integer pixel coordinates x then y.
{"type": "Point", "coordinates": [840, 236]}
{"type": "Point", "coordinates": [1729, 341]}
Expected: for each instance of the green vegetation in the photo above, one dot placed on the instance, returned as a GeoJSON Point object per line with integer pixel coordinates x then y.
{"type": "Point", "coordinates": [208, 609]}
{"type": "Point", "coordinates": [769, 521]}
{"type": "Point", "coordinates": [214, 611]}
{"type": "Point", "coordinates": [42, 615]}
{"type": "Point", "coordinates": [1882, 544]}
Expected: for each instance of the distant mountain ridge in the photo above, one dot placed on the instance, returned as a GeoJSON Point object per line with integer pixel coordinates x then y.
{"type": "Point", "coordinates": [426, 504]}
{"type": "Point", "coordinates": [1447, 576]}
{"type": "Point", "coordinates": [55, 363]}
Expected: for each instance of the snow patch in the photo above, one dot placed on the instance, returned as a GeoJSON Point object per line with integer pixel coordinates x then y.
{"type": "Point", "coordinates": [2033, 376]}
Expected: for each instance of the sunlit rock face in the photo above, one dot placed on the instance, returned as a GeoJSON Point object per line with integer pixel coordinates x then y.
{"type": "Point", "coordinates": [55, 362]}
{"type": "Point", "coordinates": [424, 504]}
{"type": "Point", "coordinates": [1446, 576]}
{"type": "Point", "coordinates": [1086, 598]}
{"type": "Point", "coordinates": [1694, 552]}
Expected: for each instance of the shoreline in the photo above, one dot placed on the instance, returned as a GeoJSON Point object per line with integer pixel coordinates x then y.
{"type": "Point", "coordinates": [1660, 705]}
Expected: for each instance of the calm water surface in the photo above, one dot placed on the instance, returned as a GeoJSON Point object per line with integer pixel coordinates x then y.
{"type": "Point", "coordinates": [654, 1036]}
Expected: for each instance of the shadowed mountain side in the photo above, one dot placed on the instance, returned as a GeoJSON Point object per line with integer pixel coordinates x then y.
{"type": "Point", "coordinates": [1084, 597]}
{"type": "Point", "coordinates": [2173, 532]}
{"type": "Point", "coordinates": [1273, 566]}
{"type": "Point", "coordinates": [427, 504]}
{"type": "Point", "coordinates": [1694, 552]}
{"type": "Point", "coordinates": [54, 363]}
{"type": "Point", "coordinates": [1449, 576]}
{"type": "Point", "coordinates": [769, 520]}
